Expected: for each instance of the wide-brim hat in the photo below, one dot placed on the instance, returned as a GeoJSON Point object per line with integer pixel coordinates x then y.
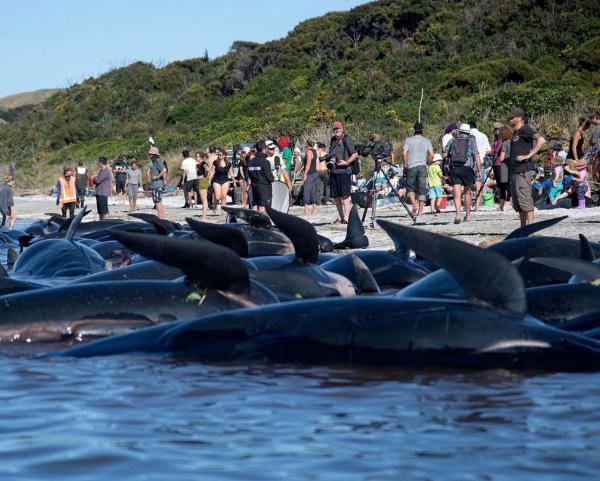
{"type": "Point", "coordinates": [154, 151]}
{"type": "Point", "coordinates": [580, 165]}
{"type": "Point", "coordinates": [464, 128]}
{"type": "Point", "coordinates": [570, 168]}
{"type": "Point", "coordinates": [437, 158]}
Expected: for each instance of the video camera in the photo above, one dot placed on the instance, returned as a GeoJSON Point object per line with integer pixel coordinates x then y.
{"type": "Point", "coordinates": [376, 149]}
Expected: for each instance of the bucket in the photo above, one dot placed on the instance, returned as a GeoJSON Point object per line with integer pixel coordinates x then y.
{"type": "Point", "coordinates": [488, 199]}
{"type": "Point", "coordinates": [443, 202]}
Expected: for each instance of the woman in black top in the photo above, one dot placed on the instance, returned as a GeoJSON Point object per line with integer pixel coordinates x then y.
{"type": "Point", "coordinates": [221, 176]}
{"type": "Point", "coordinates": [576, 142]}
{"type": "Point", "coordinates": [242, 177]}
{"type": "Point", "coordinates": [203, 171]}
{"type": "Point", "coordinates": [310, 178]}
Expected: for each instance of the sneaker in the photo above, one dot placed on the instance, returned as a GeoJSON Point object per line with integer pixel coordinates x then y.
{"type": "Point", "coordinates": [186, 206]}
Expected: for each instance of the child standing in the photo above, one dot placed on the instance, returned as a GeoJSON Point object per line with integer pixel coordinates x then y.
{"type": "Point", "coordinates": [7, 203]}
{"type": "Point", "coordinates": [581, 182]}
{"type": "Point", "coordinates": [434, 183]}
{"type": "Point", "coordinates": [557, 175]}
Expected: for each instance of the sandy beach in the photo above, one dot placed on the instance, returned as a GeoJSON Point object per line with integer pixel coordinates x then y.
{"type": "Point", "coordinates": [486, 225]}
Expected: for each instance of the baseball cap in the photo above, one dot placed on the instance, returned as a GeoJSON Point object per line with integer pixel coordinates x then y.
{"type": "Point", "coordinates": [246, 149]}
{"type": "Point", "coordinates": [270, 144]}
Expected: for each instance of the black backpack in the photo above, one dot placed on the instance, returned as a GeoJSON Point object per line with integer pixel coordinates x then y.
{"type": "Point", "coordinates": [459, 151]}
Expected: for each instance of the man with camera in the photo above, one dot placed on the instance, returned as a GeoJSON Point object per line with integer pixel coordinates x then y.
{"type": "Point", "coordinates": [340, 158]}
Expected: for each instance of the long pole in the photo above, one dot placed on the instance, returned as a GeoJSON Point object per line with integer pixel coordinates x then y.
{"type": "Point", "coordinates": [420, 104]}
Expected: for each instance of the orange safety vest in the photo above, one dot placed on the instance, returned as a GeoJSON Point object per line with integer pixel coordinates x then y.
{"type": "Point", "coordinates": [67, 190]}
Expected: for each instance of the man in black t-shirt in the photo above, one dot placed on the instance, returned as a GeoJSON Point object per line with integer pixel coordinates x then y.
{"type": "Point", "coordinates": [525, 143]}
{"type": "Point", "coordinates": [260, 178]}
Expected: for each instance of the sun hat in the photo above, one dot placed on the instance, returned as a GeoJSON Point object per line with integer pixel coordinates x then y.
{"type": "Point", "coordinates": [437, 158]}
{"type": "Point", "coordinates": [337, 125]}
{"type": "Point", "coordinates": [154, 151]}
{"type": "Point", "coordinates": [465, 128]}
{"type": "Point", "coordinates": [580, 165]}
{"type": "Point", "coordinates": [570, 168]}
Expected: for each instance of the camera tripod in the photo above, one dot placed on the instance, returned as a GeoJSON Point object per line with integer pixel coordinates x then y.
{"type": "Point", "coordinates": [372, 193]}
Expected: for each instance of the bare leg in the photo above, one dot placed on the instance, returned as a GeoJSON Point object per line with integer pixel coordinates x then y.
{"type": "Point", "coordinates": [339, 204]}
{"type": "Point", "coordinates": [457, 200]}
{"type": "Point", "coordinates": [347, 205]}
{"type": "Point", "coordinates": [467, 203]}
{"type": "Point", "coordinates": [160, 210]}
{"type": "Point", "coordinates": [204, 197]}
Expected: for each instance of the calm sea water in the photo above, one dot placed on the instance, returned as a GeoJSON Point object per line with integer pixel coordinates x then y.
{"type": "Point", "coordinates": [143, 417]}
{"type": "Point", "coordinates": [151, 417]}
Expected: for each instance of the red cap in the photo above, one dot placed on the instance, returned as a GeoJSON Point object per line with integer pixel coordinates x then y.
{"type": "Point", "coordinates": [282, 141]}
{"type": "Point", "coordinates": [337, 125]}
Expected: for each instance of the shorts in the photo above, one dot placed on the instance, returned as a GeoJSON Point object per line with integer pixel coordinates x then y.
{"type": "Point", "coordinates": [416, 181]}
{"type": "Point", "coordinates": [102, 204]}
{"type": "Point", "coordinates": [262, 194]}
{"type": "Point", "coordinates": [202, 184]}
{"type": "Point", "coordinates": [521, 191]}
{"type": "Point", "coordinates": [339, 185]}
{"type": "Point", "coordinates": [435, 192]}
{"type": "Point", "coordinates": [462, 175]}
{"type": "Point", "coordinates": [191, 185]}
{"type": "Point", "coordinates": [120, 185]}
{"type": "Point", "coordinates": [310, 189]}
{"type": "Point", "coordinates": [157, 196]}
{"type": "Point", "coordinates": [132, 191]}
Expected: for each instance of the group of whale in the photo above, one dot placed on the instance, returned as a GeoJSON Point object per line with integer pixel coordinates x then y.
{"type": "Point", "coordinates": [268, 288]}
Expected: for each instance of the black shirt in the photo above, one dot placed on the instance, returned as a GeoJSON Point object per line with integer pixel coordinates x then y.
{"type": "Point", "coordinates": [521, 144]}
{"type": "Point", "coordinates": [259, 170]}
{"type": "Point", "coordinates": [342, 152]}
{"type": "Point", "coordinates": [313, 163]}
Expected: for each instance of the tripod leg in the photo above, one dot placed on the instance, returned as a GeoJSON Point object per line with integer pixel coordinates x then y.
{"type": "Point", "coordinates": [389, 182]}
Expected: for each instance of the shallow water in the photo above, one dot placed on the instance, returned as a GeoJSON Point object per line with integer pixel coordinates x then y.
{"type": "Point", "coordinates": [156, 417]}
{"type": "Point", "coordinates": [152, 417]}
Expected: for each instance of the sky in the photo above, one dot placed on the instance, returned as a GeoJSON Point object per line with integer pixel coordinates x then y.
{"type": "Point", "coordinates": [56, 43]}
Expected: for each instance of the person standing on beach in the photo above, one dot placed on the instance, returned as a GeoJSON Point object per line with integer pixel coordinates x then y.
{"type": "Point", "coordinates": [7, 202]}
{"type": "Point", "coordinates": [465, 164]}
{"type": "Point", "coordinates": [525, 143]}
{"type": "Point", "coordinates": [66, 192]}
{"type": "Point", "coordinates": [157, 176]}
{"type": "Point", "coordinates": [134, 177]}
{"type": "Point", "coordinates": [416, 153]}
{"type": "Point", "coordinates": [82, 181]}
{"type": "Point", "coordinates": [103, 187]}
{"type": "Point", "coordinates": [260, 178]}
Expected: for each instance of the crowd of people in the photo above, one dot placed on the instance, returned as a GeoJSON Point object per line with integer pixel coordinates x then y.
{"type": "Point", "coordinates": [466, 168]}
{"type": "Point", "coordinates": [471, 165]}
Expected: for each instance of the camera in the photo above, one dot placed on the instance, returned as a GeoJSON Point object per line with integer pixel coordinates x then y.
{"type": "Point", "coordinates": [376, 149]}
{"type": "Point", "coordinates": [330, 160]}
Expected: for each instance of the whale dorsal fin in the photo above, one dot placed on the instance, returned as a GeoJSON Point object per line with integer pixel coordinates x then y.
{"type": "Point", "coordinates": [221, 235]}
{"type": "Point", "coordinates": [302, 234]}
{"type": "Point", "coordinates": [529, 229]}
{"type": "Point", "coordinates": [485, 278]}
{"type": "Point", "coordinates": [204, 263]}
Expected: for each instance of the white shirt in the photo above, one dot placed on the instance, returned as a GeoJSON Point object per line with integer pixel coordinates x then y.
{"type": "Point", "coordinates": [445, 139]}
{"type": "Point", "coordinates": [189, 165]}
{"type": "Point", "coordinates": [483, 144]}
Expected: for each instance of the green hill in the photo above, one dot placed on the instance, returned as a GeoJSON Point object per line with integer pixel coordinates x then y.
{"type": "Point", "coordinates": [475, 59]}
